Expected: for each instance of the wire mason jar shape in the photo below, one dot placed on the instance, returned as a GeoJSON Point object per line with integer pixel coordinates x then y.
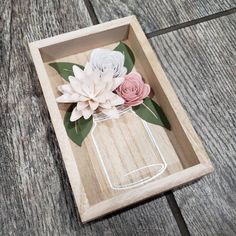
{"type": "Point", "coordinates": [127, 150]}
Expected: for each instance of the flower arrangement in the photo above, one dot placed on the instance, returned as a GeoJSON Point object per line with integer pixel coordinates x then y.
{"type": "Point", "coordinates": [106, 82]}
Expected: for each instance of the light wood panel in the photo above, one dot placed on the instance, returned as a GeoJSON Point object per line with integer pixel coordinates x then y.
{"type": "Point", "coordinates": [200, 62]}
{"type": "Point", "coordinates": [126, 131]}
{"type": "Point", "coordinates": [158, 14]}
{"type": "Point", "coordinates": [196, 162]}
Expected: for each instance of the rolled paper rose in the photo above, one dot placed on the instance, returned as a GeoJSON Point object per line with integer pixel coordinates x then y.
{"type": "Point", "coordinates": [106, 59]}
{"type": "Point", "coordinates": [133, 90]}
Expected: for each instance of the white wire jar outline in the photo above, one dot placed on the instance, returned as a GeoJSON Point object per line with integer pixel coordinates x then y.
{"type": "Point", "coordinates": [162, 166]}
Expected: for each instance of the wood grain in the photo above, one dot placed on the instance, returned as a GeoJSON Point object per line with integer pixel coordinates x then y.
{"type": "Point", "coordinates": [200, 62]}
{"type": "Point", "coordinates": [35, 196]}
{"type": "Point", "coordinates": [155, 15]}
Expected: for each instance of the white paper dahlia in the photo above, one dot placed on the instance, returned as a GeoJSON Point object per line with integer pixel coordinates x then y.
{"type": "Point", "coordinates": [92, 91]}
{"type": "Point", "coordinates": [105, 59]}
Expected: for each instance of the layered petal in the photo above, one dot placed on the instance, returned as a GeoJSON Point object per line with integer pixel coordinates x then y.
{"type": "Point", "coordinates": [87, 112]}
{"type": "Point", "coordinates": [75, 115]}
{"type": "Point", "coordinates": [93, 105]}
{"type": "Point", "coordinates": [117, 82]}
{"type": "Point", "coordinates": [78, 72]}
{"type": "Point", "coordinates": [146, 90]}
{"type": "Point", "coordinates": [68, 98]}
{"type": "Point", "coordinates": [117, 100]}
{"type": "Point", "coordinates": [105, 60]}
{"type": "Point", "coordinates": [81, 105]}
{"type": "Point", "coordinates": [106, 105]}
{"type": "Point", "coordinates": [65, 88]}
{"type": "Point", "coordinates": [105, 96]}
{"type": "Point", "coordinates": [76, 85]}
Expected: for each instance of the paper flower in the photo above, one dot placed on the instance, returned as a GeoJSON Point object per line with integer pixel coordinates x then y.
{"type": "Point", "coordinates": [133, 89]}
{"type": "Point", "coordinates": [105, 59]}
{"type": "Point", "coordinates": [92, 92]}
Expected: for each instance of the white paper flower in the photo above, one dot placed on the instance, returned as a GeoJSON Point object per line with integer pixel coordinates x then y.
{"type": "Point", "coordinates": [92, 92]}
{"type": "Point", "coordinates": [105, 59]}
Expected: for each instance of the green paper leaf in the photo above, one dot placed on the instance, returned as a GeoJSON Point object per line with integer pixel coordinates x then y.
{"type": "Point", "coordinates": [77, 130]}
{"type": "Point", "coordinates": [64, 69]}
{"type": "Point", "coordinates": [152, 113]}
{"type": "Point", "coordinates": [128, 54]}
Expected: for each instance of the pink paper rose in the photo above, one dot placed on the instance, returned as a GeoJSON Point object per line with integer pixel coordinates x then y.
{"type": "Point", "coordinates": [133, 90]}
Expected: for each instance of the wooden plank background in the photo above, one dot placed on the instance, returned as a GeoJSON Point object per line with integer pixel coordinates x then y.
{"type": "Point", "coordinates": [35, 195]}
{"type": "Point", "coordinates": [203, 73]}
{"type": "Point", "coordinates": [158, 14]}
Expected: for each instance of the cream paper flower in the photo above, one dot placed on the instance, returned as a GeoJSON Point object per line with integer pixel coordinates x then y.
{"type": "Point", "coordinates": [105, 59]}
{"type": "Point", "coordinates": [92, 92]}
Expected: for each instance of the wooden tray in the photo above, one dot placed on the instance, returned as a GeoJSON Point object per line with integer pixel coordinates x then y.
{"type": "Point", "coordinates": [183, 153]}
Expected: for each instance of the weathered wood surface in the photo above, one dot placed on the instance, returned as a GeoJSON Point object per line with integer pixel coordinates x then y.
{"type": "Point", "coordinates": [35, 194]}
{"type": "Point", "coordinates": [200, 62]}
{"type": "Point", "coordinates": [159, 14]}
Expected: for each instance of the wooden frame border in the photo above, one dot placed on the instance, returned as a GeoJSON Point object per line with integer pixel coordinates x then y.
{"type": "Point", "coordinates": [150, 189]}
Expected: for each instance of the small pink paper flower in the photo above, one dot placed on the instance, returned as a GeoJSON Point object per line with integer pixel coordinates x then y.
{"type": "Point", "coordinates": [133, 90]}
